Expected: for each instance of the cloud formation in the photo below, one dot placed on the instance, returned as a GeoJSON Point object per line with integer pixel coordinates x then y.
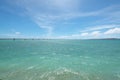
{"type": "Point", "coordinates": [99, 27]}
{"type": "Point", "coordinates": [84, 34]}
{"type": "Point", "coordinates": [96, 32]}
{"type": "Point", "coordinates": [47, 13]}
{"type": "Point", "coordinates": [113, 31]}
{"type": "Point", "coordinates": [17, 33]}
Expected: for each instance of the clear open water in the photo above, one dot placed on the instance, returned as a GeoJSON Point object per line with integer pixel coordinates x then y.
{"type": "Point", "coordinates": [59, 59]}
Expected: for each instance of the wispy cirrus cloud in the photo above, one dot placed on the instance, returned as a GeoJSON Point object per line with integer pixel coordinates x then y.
{"type": "Point", "coordinates": [99, 27]}
{"type": "Point", "coordinates": [46, 13]}
{"type": "Point", "coordinates": [96, 32]}
{"type": "Point", "coordinates": [113, 31]}
{"type": "Point", "coordinates": [101, 31]}
{"type": "Point", "coordinates": [17, 33]}
{"type": "Point", "coordinates": [12, 35]}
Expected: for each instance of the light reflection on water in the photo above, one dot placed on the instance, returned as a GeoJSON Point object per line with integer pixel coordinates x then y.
{"type": "Point", "coordinates": [60, 60]}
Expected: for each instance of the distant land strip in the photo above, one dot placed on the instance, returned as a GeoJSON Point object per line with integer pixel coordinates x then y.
{"type": "Point", "coordinates": [56, 39]}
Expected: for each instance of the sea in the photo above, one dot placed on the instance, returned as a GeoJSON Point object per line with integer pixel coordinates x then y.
{"type": "Point", "coordinates": [59, 59]}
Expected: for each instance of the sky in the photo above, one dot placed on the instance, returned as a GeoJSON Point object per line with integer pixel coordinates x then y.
{"type": "Point", "coordinates": [60, 19]}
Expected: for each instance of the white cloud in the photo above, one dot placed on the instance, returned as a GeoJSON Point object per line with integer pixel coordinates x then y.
{"type": "Point", "coordinates": [46, 13]}
{"type": "Point", "coordinates": [100, 27]}
{"type": "Point", "coordinates": [95, 33]}
{"type": "Point", "coordinates": [113, 31]}
{"type": "Point", "coordinates": [91, 34]}
{"type": "Point", "coordinates": [17, 33]}
{"type": "Point", "coordinates": [12, 35]}
{"type": "Point", "coordinates": [84, 34]}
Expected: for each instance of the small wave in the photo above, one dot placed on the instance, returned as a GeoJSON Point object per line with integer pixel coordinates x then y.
{"type": "Point", "coordinates": [51, 75]}
{"type": "Point", "coordinates": [84, 63]}
{"type": "Point", "coordinates": [118, 75]}
{"type": "Point", "coordinates": [51, 78]}
{"type": "Point", "coordinates": [67, 55]}
{"type": "Point", "coordinates": [54, 53]}
{"type": "Point", "coordinates": [31, 67]}
{"type": "Point", "coordinates": [34, 53]}
{"type": "Point", "coordinates": [43, 57]}
{"type": "Point", "coordinates": [87, 57]}
{"type": "Point", "coordinates": [65, 70]}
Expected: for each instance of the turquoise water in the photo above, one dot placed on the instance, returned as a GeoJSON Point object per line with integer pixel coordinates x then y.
{"type": "Point", "coordinates": [60, 60]}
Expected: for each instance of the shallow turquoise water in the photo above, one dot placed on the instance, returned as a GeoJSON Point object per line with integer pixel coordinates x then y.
{"type": "Point", "coordinates": [60, 59]}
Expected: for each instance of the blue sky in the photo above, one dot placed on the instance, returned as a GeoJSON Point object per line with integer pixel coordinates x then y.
{"type": "Point", "coordinates": [71, 19]}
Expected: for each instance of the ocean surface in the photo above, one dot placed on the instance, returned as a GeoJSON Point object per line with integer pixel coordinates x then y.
{"type": "Point", "coordinates": [59, 59]}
